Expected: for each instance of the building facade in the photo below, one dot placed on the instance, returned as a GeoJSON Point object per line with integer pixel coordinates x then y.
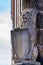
{"type": "Point", "coordinates": [31, 11]}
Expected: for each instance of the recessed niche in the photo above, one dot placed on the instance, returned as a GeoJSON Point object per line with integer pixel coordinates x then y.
{"type": "Point", "coordinates": [39, 22]}
{"type": "Point", "coordinates": [39, 27]}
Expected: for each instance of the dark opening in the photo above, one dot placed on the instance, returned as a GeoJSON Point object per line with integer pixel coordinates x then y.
{"type": "Point", "coordinates": [39, 23]}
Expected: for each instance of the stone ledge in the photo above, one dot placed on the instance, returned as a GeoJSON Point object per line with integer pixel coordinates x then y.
{"type": "Point", "coordinates": [28, 63]}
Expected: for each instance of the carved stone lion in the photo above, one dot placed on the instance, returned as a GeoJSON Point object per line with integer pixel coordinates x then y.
{"type": "Point", "coordinates": [29, 21]}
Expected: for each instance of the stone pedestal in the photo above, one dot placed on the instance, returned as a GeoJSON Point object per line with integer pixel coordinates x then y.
{"type": "Point", "coordinates": [31, 62]}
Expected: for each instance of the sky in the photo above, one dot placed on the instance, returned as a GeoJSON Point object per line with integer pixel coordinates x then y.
{"type": "Point", "coordinates": [5, 28]}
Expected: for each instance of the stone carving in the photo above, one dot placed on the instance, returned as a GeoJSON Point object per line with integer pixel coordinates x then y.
{"type": "Point", "coordinates": [29, 21]}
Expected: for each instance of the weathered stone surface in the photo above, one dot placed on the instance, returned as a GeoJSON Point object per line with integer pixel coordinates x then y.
{"type": "Point", "coordinates": [39, 4]}
{"type": "Point", "coordinates": [31, 62]}
{"type": "Point", "coordinates": [40, 20]}
{"type": "Point", "coordinates": [29, 21]}
{"type": "Point", "coordinates": [41, 37]}
{"type": "Point", "coordinates": [41, 51]}
{"type": "Point", "coordinates": [20, 42]}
